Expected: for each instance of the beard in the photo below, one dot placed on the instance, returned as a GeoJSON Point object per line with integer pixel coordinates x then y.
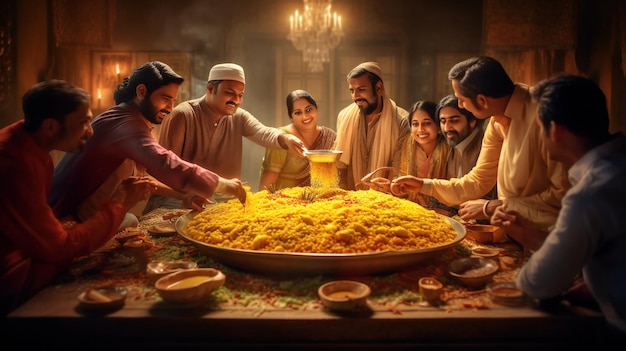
{"type": "Point", "coordinates": [149, 111]}
{"type": "Point", "coordinates": [369, 107]}
{"type": "Point", "coordinates": [457, 137]}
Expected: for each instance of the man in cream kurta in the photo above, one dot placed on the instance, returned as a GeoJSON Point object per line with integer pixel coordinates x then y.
{"type": "Point", "coordinates": [369, 129]}
{"type": "Point", "coordinates": [513, 152]}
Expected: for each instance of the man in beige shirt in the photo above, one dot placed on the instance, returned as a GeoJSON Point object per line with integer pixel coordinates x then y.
{"type": "Point", "coordinates": [513, 152]}
{"type": "Point", "coordinates": [369, 129]}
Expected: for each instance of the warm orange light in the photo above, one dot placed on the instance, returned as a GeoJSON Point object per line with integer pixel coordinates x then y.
{"type": "Point", "coordinates": [117, 69]}
{"type": "Point", "coordinates": [99, 94]}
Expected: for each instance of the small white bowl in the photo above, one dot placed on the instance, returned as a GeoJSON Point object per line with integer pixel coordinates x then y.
{"type": "Point", "coordinates": [344, 295]}
{"type": "Point", "coordinates": [104, 298]}
{"type": "Point", "coordinates": [190, 286]}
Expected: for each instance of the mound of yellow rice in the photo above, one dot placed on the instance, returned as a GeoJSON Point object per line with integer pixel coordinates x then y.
{"type": "Point", "coordinates": [312, 220]}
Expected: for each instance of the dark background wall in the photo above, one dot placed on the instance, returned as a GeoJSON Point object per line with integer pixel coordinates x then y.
{"type": "Point", "coordinates": [416, 40]}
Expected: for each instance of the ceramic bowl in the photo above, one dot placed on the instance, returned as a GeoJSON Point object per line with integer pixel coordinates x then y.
{"type": "Point", "coordinates": [344, 295]}
{"type": "Point", "coordinates": [158, 269]}
{"type": "Point", "coordinates": [507, 294]}
{"type": "Point", "coordinates": [103, 298]}
{"type": "Point", "coordinates": [473, 272]}
{"type": "Point", "coordinates": [486, 252]}
{"type": "Point", "coordinates": [190, 286]}
{"type": "Point", "coordinates": [431, 290]}
{"type": "Point", "coordinates": [485, 233]}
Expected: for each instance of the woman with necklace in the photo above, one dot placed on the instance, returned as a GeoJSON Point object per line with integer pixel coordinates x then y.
{"type": "Point", "coordinates": [281, 169]}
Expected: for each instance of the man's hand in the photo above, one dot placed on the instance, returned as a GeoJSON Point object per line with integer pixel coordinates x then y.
{"type": "Point", "coordinates": [405, 184]}
{"type": "Point", "coordinates": [196, 202]}
{"type": "Point", "coordinates": [133, 190]}
{"type": "Point", "coordinates": [291, 142]}
{"type": "Point", "coordinates": [519, 229]}
{"type": "Point", "coordinates": [232, 187]}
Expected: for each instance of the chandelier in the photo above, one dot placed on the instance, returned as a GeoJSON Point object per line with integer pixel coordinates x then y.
{"type": "Point", "coordinates": [315, 32]}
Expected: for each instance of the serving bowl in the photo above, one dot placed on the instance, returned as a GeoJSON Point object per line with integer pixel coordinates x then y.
{"type": "Point", "coordinates": [326, 156]}
{"type": "Point", "coordinates": [158, 269]}
{"type": "Point", "coordinates": [473, 272]}
{"type": "Point", "coordinates": [344, 295]}
{"type": "Point", "coordinates": [507, 294]}
{"type": "Point", "coordinates": [487, 252]}
{"type": "Point", "coordinates": [485, 233]}
{"type": "Point", "coordinates": [103, 298]}
{"type": "Point", "coordinates": [293, 264]}
{"type": "Point", "coordinates": [190, 286]}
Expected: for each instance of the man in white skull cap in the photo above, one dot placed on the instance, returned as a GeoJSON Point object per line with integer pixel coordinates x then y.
{"type": "Point", "coordinates": [209, 130]}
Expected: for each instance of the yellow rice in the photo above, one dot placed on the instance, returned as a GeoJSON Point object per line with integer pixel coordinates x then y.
{"type": "Point", "coordinates": [335, 221]}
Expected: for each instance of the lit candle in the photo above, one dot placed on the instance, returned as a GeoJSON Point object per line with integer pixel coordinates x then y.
{"type": "Point", "coordinates": [291, 23]}
{"type": "Point", "coordinates": [339, 21]}
{"type": "Point", "coordinates": [296, 17]}
{"type": "Point", "coordinates": [99, 97]}
{"type": "Point", "coordinates": [335, 20]}
{"type": "Point", "coordinates": [117, 70]}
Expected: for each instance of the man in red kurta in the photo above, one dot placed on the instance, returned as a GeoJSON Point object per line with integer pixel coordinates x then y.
{"type": "Point", "coordinates": [34, 245]}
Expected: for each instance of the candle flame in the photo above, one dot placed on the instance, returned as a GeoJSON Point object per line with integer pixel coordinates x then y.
{"type": "Point", "coordinates": [117, 69]}
{"type": "Point", "coordinates": [99, 94]}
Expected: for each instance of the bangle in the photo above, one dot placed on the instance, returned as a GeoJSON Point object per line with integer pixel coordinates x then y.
{"type": "Point", "coordinates": [485, 209]}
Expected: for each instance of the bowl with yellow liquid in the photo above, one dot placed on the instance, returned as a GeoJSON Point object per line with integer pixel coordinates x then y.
{"type": "Point", "coordinates": [190, 286]}
{"type": "Point", "coordinates": [344, 295]}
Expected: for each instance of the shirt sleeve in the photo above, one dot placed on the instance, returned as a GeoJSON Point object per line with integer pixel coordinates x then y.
{"type": "Point", "coordinates": [259, 133]}
{"type": "Point", "coordinates": [163, 164]}
{"type": "Point", "coordinates": [552, 268]}
{"type": "Point", "coordinates": [29, 223]}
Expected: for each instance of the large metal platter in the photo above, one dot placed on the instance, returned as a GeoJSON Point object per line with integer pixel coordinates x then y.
{"type": "Point", "coordinates": [309, 264]}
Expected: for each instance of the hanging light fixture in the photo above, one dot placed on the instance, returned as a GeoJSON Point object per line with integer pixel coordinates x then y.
{"type": "Point", "coordinates": [315, 32]}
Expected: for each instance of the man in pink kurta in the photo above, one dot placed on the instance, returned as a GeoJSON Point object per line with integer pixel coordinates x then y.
{"type": "Point", "coordinates": [123, 132]}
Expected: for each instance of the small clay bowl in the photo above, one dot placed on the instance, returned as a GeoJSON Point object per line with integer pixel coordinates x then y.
{"type": "Point", "coordinates": [431, 290]}
{"type": "Point", "coordinates": [473, 272]}
{"type": "Point", "coordinates": [487, 252]}
{"type": "Point", "coordinates": [190, 286]}
{"type": "Point", "coordinates": [158, 269]}
{"type": "Point", "coordinates": [344, 295]}
{"type": "Point", "coordinates": [506, 294]}
{"type": "Point", "coordinates": [485, 233]}
{"type": "Point", "coordinates": [104, 298]}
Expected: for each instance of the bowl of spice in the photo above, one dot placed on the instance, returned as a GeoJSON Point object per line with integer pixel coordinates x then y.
{"type": "Point", "coordinates": [473, 272]}
{"type": "Point", "coordinates": [507, 294]}
{"type": "Point", "coordinates": [190, 286]}
{"type": "Point", "coordinates": [344, 295]}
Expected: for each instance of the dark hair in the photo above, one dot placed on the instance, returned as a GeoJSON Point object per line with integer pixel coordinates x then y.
{"type": "Point", "coordinates": [453, 101]}
{"type": "Point", "coordinates": [575, 102]}
{"type": "Point", "coordinates": [426, 106]}
{"type": "Point", "coordinates": [153, 75]}
{"type": "Point", "coordinates": [51, 99]}
{"type": "Point", "coordinates": [481, 75]}
{"type": "Point", "coordinates": [295, 95]}
{"type": "Point", "coordinates": [373, 78]}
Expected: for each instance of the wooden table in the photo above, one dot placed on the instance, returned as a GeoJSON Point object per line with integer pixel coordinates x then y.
{"type": "Point", "coordinates": [252, 311]}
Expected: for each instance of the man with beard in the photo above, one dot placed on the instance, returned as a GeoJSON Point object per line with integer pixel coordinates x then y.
{"type": "Point", "coordinates": [368, 130]}
{"type": "Point", "coordinates": [513, 152]}
{"type": "Point", "coordinates": [123, 146]}
{"type": "Point", "coordinates": [209, 130]}
{"type": "Point", "coordinates": [34, 245]}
